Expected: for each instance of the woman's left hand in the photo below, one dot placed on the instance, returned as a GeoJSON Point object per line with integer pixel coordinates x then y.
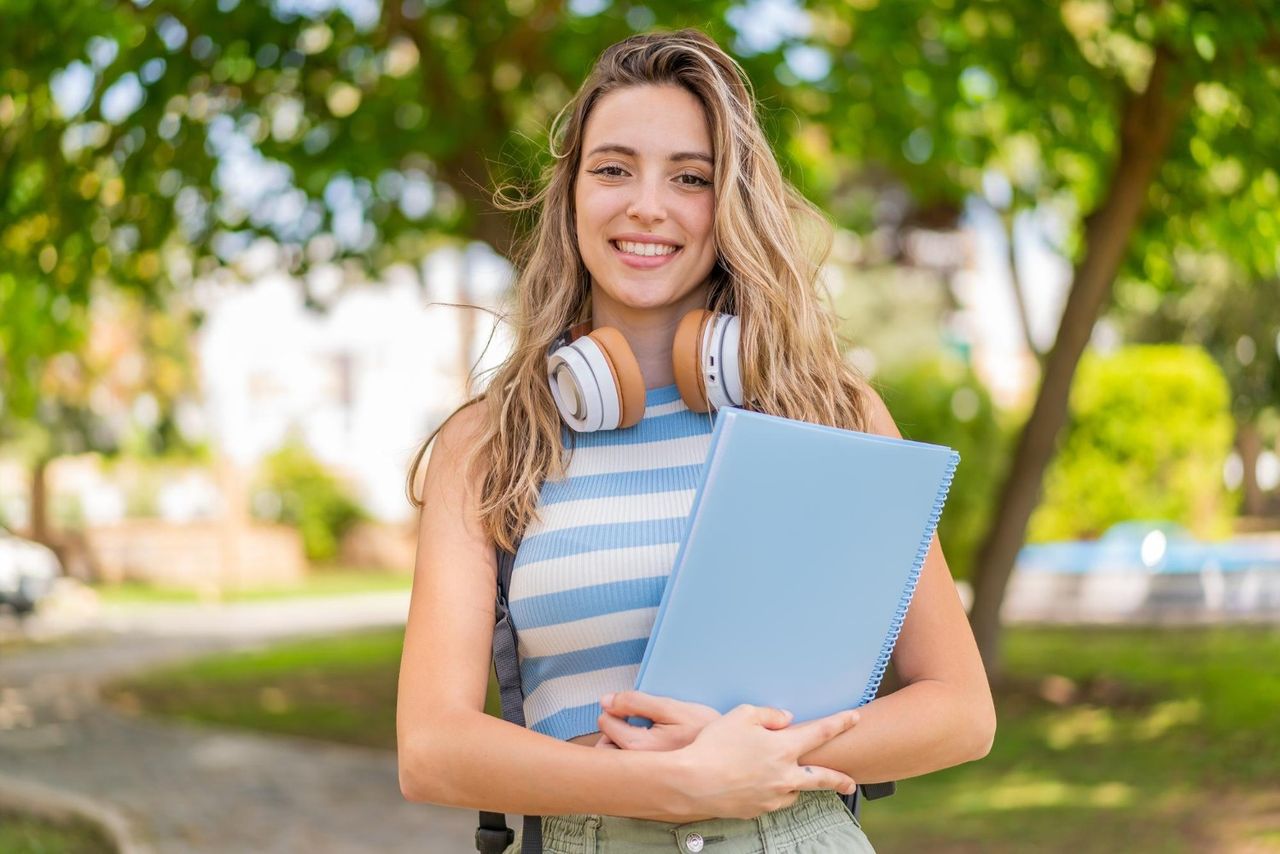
{"type": "Point", "coordinates": [676, 723]}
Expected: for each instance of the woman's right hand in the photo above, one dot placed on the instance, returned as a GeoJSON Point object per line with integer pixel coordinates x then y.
{"type": "Point", "coordinates": [746, 762]}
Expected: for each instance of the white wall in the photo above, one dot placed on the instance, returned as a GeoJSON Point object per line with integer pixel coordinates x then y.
{"type": "Point", "coordinates": [362, 383]}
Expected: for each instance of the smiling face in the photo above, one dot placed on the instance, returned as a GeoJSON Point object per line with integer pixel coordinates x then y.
{"type": "Point", "coordinates": [644, 203]}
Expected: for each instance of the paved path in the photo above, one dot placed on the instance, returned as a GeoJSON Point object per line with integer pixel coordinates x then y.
{"type": "Point", "coordinates": [197, 788]}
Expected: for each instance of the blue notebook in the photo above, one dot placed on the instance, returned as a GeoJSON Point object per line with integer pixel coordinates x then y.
{"type": "Point", "coordinates": [800, 557]}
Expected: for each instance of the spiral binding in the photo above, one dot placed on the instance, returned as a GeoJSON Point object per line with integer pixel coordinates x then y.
{"type": "Point", "coordinates": [913, 578]}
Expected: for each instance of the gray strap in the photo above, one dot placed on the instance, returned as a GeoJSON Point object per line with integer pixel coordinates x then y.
{"type": "Point", "coordinates": [506, 664]}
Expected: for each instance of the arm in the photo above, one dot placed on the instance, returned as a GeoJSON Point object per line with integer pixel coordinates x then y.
{"type": "Point", "coordinates": [450, 752]}
{"type": "Point", "coordinates": [943, 715]}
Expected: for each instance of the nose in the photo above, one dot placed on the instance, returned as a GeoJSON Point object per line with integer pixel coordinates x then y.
{"type": "Point", "coordinates": [647, 205]}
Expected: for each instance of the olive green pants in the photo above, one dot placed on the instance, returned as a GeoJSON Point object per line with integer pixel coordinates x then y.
{"type": "Point", "coordinates": [817, 823]}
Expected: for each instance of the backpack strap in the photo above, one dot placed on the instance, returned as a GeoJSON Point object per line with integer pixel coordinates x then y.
{"type": "Point", "coordinates": [875, 791]}
{"type": "Point", "coordinates": [493, 835]}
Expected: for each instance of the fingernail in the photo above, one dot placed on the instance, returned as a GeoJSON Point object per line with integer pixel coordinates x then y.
{"type": "Point", "coordinates": [607, 699]}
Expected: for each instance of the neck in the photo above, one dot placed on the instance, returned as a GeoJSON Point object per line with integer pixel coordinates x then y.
{"type": "Point", "coordinates": [649, 331]}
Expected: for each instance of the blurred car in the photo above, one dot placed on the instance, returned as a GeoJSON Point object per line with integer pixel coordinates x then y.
{"type": "Point", "coordinates": [1155, 546]}
{"type": "Point", "coordinates": [27, 571]}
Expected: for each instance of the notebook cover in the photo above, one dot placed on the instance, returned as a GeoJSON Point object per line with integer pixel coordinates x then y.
{"type": "Point", "coordinates": [802, 551]}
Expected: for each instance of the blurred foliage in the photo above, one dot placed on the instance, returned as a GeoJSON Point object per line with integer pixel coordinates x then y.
{"type": "Point", "coordinates": [121, 392]}
{"type": "Point", "coordinates": [942, 401]}
{"type": "Point", "coordinates": [890, 315]}
{"type": "Point", "coordinates": [326, 581]}
{"type": "Point", "coordinates": [26, 832]}
{"type": "Point", "coordinates": [1150, 429]}
{"type": "Point", "coordinates": [297, 489]}
{"type": "Point", "coordinates": [144, 143]}
{"type": "Point", "coordinates": [132, 132]}
{"type": "Point", "coordinates": [67, 512]}
{"type": "Point", "coordinates": [1235, 320]}
{"type": "Point", "coordinates": [1020, 102]}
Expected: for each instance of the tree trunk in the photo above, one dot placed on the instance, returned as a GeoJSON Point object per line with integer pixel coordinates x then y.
{"type": "Point", "coordinates": [466, 323]}
{"type": "Point", "coordinates": [1008, 221]}
{"type": "Point", "coordinates": [1249, 444]}
{"type": "Point", "coordinates": [1147, 122]}
{"type": "Point", "coordinates": [39, 527]}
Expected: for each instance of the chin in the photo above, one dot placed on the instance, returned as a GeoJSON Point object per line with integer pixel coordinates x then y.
{"type": "Point", "coordinates": [645, 299]}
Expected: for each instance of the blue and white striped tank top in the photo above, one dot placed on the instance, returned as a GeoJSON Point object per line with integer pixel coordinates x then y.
{"type": "Point", "coordinates": [590, 572]}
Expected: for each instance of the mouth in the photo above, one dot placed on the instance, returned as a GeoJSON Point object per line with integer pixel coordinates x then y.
{"type": "Point", "coordinates": [644, 256]}
{"type": "Point", "coordinates": [644, 250]}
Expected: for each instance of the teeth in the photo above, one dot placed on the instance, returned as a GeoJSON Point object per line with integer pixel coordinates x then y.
{"type": "Point", "coordinates": [645, 248]}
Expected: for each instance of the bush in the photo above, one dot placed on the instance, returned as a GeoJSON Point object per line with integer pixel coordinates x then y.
{"type": "Point", "coordinates": [295, 488]}
{"type": "Point", "coordinates": [942, 401]}
{"type": "Point", "coordinates": [1148, 434]}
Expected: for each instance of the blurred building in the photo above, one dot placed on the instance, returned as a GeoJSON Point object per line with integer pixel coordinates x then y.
{"type": "Point", "coordinates": [362, 380]}
{"type": "Point", "coordinates": [989, 314]}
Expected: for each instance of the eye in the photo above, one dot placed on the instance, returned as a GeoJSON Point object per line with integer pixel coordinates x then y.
{"type": "Point", "coordinates": [609, 171]}
{"type": "Point", "coordinates": [698, 180]}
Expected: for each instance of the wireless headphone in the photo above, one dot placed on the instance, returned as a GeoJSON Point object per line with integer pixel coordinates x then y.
{"type": "Point", "coordinates": [596, 381]}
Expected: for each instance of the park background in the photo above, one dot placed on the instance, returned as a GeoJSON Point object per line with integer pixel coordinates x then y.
{"type": "Point", "coordinates": [237, 245]}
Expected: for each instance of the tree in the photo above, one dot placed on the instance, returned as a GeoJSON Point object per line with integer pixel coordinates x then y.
{"type": "Point", "coordinates": [1109, 111]}
{"type": "Point", "coordinates": [121, 392]}
{"type": "Point", "coordinates": [144, 143]}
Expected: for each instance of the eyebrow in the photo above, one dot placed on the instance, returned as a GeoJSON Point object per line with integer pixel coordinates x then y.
{"type": "Point", "coordinates": [631, 152]}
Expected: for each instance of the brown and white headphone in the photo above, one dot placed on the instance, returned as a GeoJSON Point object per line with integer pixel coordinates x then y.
{"type": "Point", "coordinates": [596, 381]}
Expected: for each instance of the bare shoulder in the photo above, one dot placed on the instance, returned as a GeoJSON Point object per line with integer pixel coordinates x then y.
{"type": "Point", "coordinates": [450, 489]}
{"type": "Point", "coordinates": [456, 442]}
{"type": "Point", "coordinates": [463, 431]}
{"type": "Point", "coordinates": [881, 421]}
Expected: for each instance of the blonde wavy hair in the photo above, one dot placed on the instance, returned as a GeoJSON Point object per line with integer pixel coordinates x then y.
{"type": "Point", "coordinates": [765, 273]}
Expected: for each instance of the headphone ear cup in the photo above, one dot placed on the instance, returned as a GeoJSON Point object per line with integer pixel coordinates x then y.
{"type": "Point", "coordinates": [686, 359]}
{"type": "Point", "coordinates": [627, 379]}
{"type": "Point", "coordinates": [721, 371]}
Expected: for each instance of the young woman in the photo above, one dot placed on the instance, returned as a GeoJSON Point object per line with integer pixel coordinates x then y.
{"type": "Point", "coordinates": [664, 199]}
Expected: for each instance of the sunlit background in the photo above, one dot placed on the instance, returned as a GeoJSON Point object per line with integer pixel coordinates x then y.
{"type": "Point", "coordinates": [249, 259]}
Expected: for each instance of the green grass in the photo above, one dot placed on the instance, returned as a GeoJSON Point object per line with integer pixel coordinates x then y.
{"type": "Point", "coordinates": [1157, 741]}
{"type": "Point", "coordinates": [24, 834]}
{"type": "Point", "coordinates": [337, 688]}
{"type": "Point", "coordinates": [19, 643]}
{"type": "Point", "coordinates": [319, 582]}
{"type": "Point", "coordinates": [1152, 741]}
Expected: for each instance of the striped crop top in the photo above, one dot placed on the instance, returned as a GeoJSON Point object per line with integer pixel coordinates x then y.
{"type": "Point", "coordinates": [589, 573]}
